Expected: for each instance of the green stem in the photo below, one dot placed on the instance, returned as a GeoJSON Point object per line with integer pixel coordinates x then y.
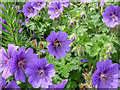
{"type": "Point", "coordinates": [94, 65]}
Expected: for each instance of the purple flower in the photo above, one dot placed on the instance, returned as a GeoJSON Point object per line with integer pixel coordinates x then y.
{"type": "Point", "coordinates": [64, 3]}
{"type": "Point", "coordinates": [111, 16]}
{"type": "Point", "coordinates": [54, 10]}
{"type": "Point", "coordinates": [86, 1]}
{"type": "Point", "coordinates": [40, 73]}
{"type": "Point", "coordinates": [3, 21]}
{"type": "Point", "coordinates": [26, 20]}
{"type": "Point", "coordinates": [72, 39]}
{"type": "Point", "coordinates": [34, 34]}
{"type": "Point", "coordinates": [119, 63]}
{"type": "Point", "coordinates": [83, 60]}
{"type": "Point", "coordinates": [106, 75]}
{"type": "Point", "coordinates": [58, 44]}
{"type": "Point", "coordinates": [101, 2]}
{"type": "Point", "coordinates": [43, 51]}
{"type": "Point", "coordinates": [110, 53]}
{"type": "Point", "coordinates": [0, 32]}
{"type": "Point", "coordinates": [38, 4]}
{"type": "Point", "coordinates": [82, 15]}
{"type": "Point", "coordinates": [19, 63]}
{"type": "Point", "coordinates": [11, 84]}
{"type": "Point", "coordinates": [60, 85]}
{"type": "Point", "coordinates": [18, 8]}
{"type": "Point", "coordinates": [26, 38]}
{"type": "Point", "coordinates": [3, 7]}
{"type": "Point", "coordinates": [20, 21]}
{"type": "Point", "coordinates": [5, 57]}
{"type": "Point", "coordinates": [71, 23]}
{"type": "Point", "coordinates": [28, 10]}
{"type": "Point", "coordinates": [0, 25]}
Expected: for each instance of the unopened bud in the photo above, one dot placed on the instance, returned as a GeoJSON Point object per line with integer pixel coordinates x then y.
{"type": "Point", "coordinates": [72, 21]}
{"type": "Point", "coordinates": [72, 37]}
{"type": "Point", "coordinates": [40, 46]}
{"type": "Point", "coordinates": [83, 86]}
{"type": "Point", "coordinates": [34, 43]}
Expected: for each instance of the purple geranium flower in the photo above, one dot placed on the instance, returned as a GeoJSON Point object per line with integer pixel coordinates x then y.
{"type": "Point", "coordinates": [43, 51]}
{"type": "Point", "coordinates": [111, 16]}
{"type": "Point", "coordinates": [58, 44]}
{"type": "Point", "coordinates": [19, 63]}
{"type": "Point", "coordinates": [101, 2]}
{"type": "Point", "coordinates": [106, 75]}
{"type": "Point", "coordinates": [26, 20]}
{"type": "Point", "coordinates": [5, 58]}
{"type": "Point", "coordinates": [11, 84]}
{"type": "Point", "coordinates": [26, 38]}
{"type": "Point", "coordinates": [72, 39]}
{"type": "Point", "coordinates": [28, 10]}
{"type": "Point", "coordinates": [17, 8]}
{"type": "Point", "coordinates": [83, 60]}
{"type": "Point", "coordinates": [34, 34]}
{"type": "Point", "coordinates": [38, 4]}
{"type": "Point", "coordinates": [86, 1]}
{"type": "Point", "coordinates": [0, 26]}
{"type": "Point", "coordinates": [3, 21]}
{"type": "Point", "coordinates": [64, 3]}
{"type": "Point", "coordinates": [60, 85]}
{"type": "Point", "coordinates": [40, 73]}
{"type": "Point", "coordinates": [3, 7]}
{"type": "Point", "coordinates": [54, 10]}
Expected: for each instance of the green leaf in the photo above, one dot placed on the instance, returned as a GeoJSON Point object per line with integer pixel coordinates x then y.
{"type": "Point", "coordinates": [7, 34]}
{"type": "Point", "coordinates": [65, 70]}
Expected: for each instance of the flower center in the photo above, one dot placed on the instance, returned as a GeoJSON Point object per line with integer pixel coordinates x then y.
{"type": "Point", "coordinates": [20, 63]}
{"type": "Point", "coordinates": [113, 16]}
{"type": "Point", "coordinates": [30, 9]}
{"type": "Point", "coordinates": [39, 3]}
{"type": "Point", "coordinates": [102, 76]}
{"type": "Point", "coordinates": [56, 10]}
{"type": "Point", "coordinates": [57, 43]}
{"type": "Point", "coordinates": [41, 72]}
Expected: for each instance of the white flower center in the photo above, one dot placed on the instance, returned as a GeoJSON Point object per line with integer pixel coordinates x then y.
{"type": "Point", "coordinates": [38, 3]}
{"type": "Point", "coordinates": [57, 43]}
{"type": "Point", "coordinates": [113, 16]}
{"type": "Point", "coordinates": [102, 76]}
{"type": "Point", "coordinates": [41, 72]}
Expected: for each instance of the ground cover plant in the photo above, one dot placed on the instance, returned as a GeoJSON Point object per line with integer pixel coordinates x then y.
{"type": "Point", "coordinates": [57, 44]}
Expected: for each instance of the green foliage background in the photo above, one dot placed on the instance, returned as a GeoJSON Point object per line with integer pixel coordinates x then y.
{"type": "Point", "coordinates": [94, 41]}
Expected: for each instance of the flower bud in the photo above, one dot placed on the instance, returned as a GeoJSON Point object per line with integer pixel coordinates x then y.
{"type": "Point", "coordinates": [72, 37]}
{"type": "Point", "coordinates": [40, 46]}
{"type": "Point", "coordinates": [83, 86]}
{"type": "Point", "coordinates": [34, 43]}
{"type": "Point", "coordinates": [72, 21]}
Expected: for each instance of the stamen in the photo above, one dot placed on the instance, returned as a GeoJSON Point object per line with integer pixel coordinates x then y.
{"type": "Point", "coordinates": [30, 9]}
{"type": "Point", "coordinates": [102, 76]}
{"type": "Point", "coordinates": [41, 72]}
{"type": "Point", "coordinates": [113, 16]}
{"type": "Point", "coordinates": [57, 43]}
{"type": "Point", "coordinates": [38, 3]}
